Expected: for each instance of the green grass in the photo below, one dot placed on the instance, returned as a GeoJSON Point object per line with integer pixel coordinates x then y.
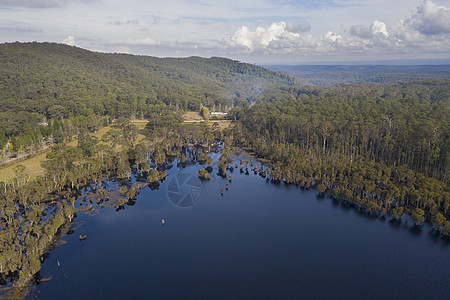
{"type": "Point", "coordinates": [192, 116]}
{"type": "Point", "coordinates": [33, 165]}
{"type": "Point", "coordinates": [222, 123]}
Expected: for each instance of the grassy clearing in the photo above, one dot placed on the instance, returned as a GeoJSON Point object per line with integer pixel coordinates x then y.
{"type": "Point", "coordinates": [192, 116]}
{"type": "Point", "coordinates": [33, 164]}
{"type": "Point", "coordinates": [33, 167]}
{"type": "Point", "coordinates": [222, 123]}
{"type": "Point", "coordinates": [140, 124]}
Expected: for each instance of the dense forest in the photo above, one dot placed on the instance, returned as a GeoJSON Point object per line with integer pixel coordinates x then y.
{"type": "Point", "coordinates": [44, 81]}
{"type": "Point", "coordinates": [40, 75]}
{"type": "Point", "coordinates": [43, 85]}
{"type": "Point", "coordinates": [326, 75]}
{"type": "Point", "coordinates": [385, 147]}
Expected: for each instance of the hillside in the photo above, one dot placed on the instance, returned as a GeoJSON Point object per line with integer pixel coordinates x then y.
{"type": "Point", "coordinates": [55, 80]}
{"type": "Point", "coordinates": [348, 74]}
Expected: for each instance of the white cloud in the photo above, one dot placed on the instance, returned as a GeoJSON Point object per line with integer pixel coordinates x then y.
{"type": "Point", "coordinates": [121, 23]}
{"type": "Point", "coordinates": [426, 30]}
{"type": "Point", "coordinates": [70, 40]}
{"type": "Point", "coordinates": [297, 28]}
{"type": "Point", "coordinates": [361, 31]}
{"type": "Point", "coordinates": [430, 19]}
{"type": "Point", "coordinates": [378, 28]}
{"type": "Point", "coordinates": [40, 3]}
{"type": "Point", "coordinates": [254, 30]}
{"type": "Point", "coordinates": [332, 37]}
{"type": "Point", "coordinates": [277, 38]}
{"type": "Point", "coordinates": [122, 49]}
{"type": "Point", "coordinates": [187, 44]}
{"type": "Point", "coordinates": [136, 42]}
{"type": "Point", "coordinates": [261, 38]}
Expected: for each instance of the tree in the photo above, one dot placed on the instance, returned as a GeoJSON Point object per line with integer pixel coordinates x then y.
{"type": "Point", "coordinates": [204, 112]}
{"type": "Point", "coordinates": [321, 188]}
{"type": "Point", "coordinates": [203, 174]}
{"type": "Point", "coordinates": [130, 133]}
{"type": "Point", "coordinates": [3, 138]}
{"type": "Point", "coordinates": [87, 143]}
{"type": "Point", "coordinates": [27, 130]}
{"type": "Point", "coordinates": [113, 137]}
{"type": "Point", "coordinates": [397, 212]}
{"type": "Point", "coordinates": [56, 125]}
{"type": "Point", "coordinates": [20, 175]}
{"type": "Point", "coordinates": [58, 136]}
{"type": "Point", "coordinates": [56, 112]}
{"type": "Point", "coordinates": [418, 215]}
{"type": "Point", "coordinates": [446, 228]}
{"type": "Point", "coordinates": [438, 220]}
{"type": "Point", "coordinates": [161, 124]}
{"type": "Point", "coordinates": [235, 114]}
{"type": "Point", "coordinates": [122, 165]}
{"type": "Point", "coordinates": [122, 122]}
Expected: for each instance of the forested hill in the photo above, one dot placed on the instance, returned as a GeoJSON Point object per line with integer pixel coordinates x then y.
{"type": "Point", "coordinates": [383, 147]}
{"type": "Point", "coordinates": [52, 79]}
{"type": "Point", "coordinates": [348, 74]}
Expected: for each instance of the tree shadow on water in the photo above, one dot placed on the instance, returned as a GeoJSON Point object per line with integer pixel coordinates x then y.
{"type": "Point", "coordinates": [415, 230]}
{"type": "Point", "coordinates": [335, 202]}
{"type": "Point", "coordinates": [395, 223]}
{"type": "Point", "coordinates": [366, 214]}
{"type": "Point", "coordinates": [434, 235]}
{"type": "Point", "coordinates": [320, 196]}
{"type": "Point", "coordinates": [437, 237]}
{"type": "Point", "coordinates": [405, 222]}
{"type": "Point", "coordinates": [347, 205]}
{"type": "Point", "coordinates": [446, 241]}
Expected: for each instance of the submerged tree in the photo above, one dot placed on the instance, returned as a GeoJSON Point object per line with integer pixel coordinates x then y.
{"type": "Point", "coordinates": [203, 174]}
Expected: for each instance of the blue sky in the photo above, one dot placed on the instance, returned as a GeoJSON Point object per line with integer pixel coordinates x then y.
{"type": "Point", "coordinates": [264, 31]}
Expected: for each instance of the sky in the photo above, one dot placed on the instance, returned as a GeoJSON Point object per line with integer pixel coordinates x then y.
{"type": "Point", "coordinates": [254, 31]}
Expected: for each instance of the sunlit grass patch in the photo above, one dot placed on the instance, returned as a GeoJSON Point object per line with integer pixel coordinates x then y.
{"type": "Point", "coordinates": [32, 166]}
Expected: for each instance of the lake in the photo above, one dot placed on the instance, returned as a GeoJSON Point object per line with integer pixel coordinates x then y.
{"type": "Point", "coordinates": [257, 240]}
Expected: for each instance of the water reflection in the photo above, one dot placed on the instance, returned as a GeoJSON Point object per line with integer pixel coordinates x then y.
{"type": "Point", "coordinates": [54, 219]}
{"type": "Point", "coordinates": [395, 223]}
{"type": "Point", "coordinates": [415, 230]}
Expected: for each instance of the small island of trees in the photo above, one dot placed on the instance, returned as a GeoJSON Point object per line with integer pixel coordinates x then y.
{"type": "Point", "coordinates": [203, 174]}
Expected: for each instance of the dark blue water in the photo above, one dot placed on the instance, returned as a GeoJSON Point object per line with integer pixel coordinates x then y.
{"type": "Point", "coordinates": [258, 240]}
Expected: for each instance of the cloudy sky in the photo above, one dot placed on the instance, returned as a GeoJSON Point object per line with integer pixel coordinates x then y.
{"type": "Point", "coordinates": [261, 31]}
